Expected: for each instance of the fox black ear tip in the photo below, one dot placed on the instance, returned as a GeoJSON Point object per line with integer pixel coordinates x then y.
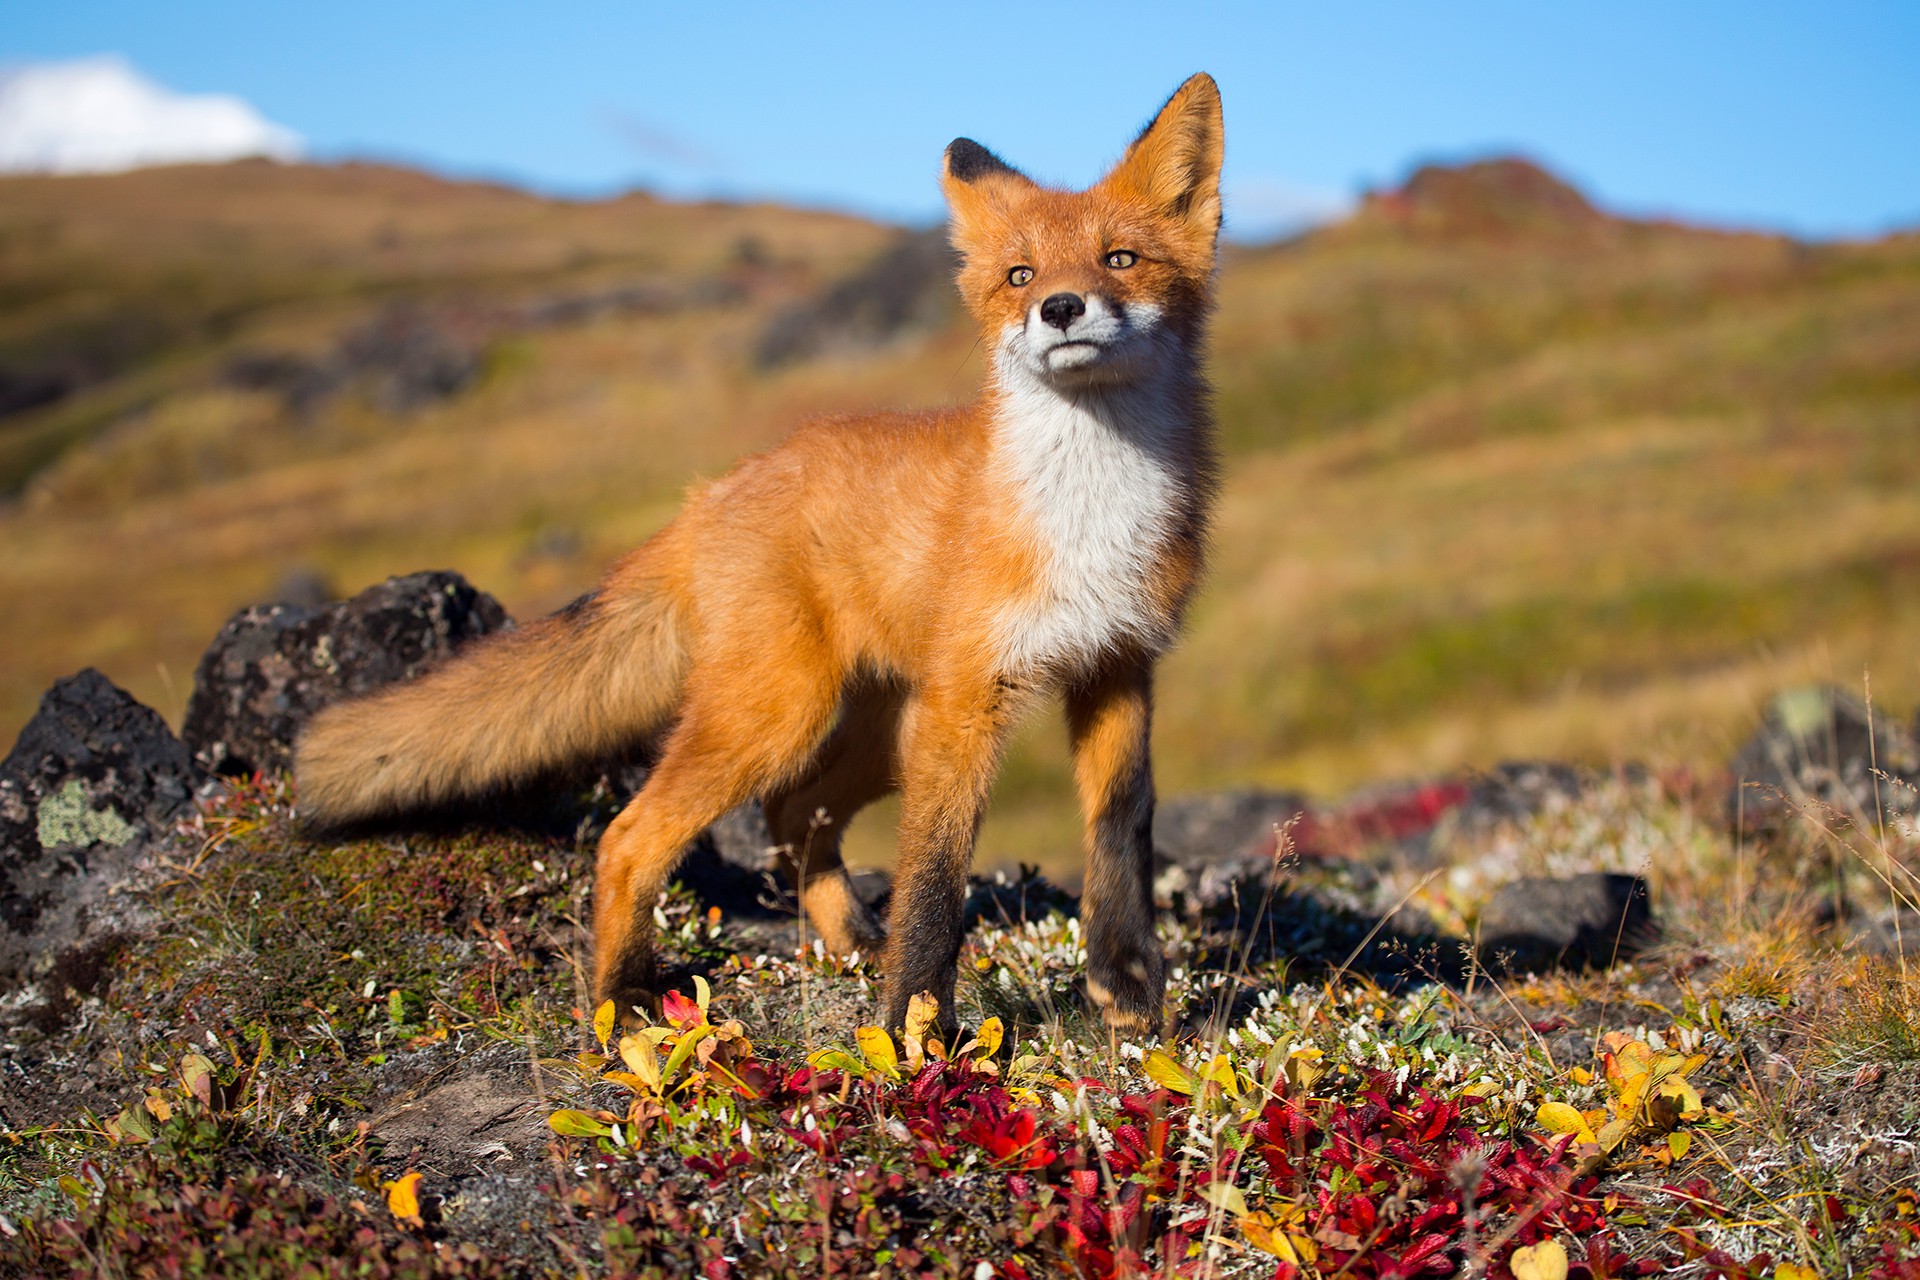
{"type": "Point", "coordinates": [968, 160]}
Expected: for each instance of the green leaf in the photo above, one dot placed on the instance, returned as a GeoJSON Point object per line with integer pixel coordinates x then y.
{"type": "Point", "coordinates": [682, 1050]}
{"type": "Point", "coordinates": [839, 1060]}
{"type": "Point", "coordinates": [135, 1124]}
{"type": "Point", "coordinates": [578, 1124]}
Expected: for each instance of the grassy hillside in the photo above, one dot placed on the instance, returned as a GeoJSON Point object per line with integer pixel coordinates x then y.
{"type": "Point", "coordinates": [1506, 476]}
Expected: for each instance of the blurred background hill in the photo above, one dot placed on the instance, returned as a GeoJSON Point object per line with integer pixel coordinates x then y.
{"type": "Point", "coordinates": [1507, 475]}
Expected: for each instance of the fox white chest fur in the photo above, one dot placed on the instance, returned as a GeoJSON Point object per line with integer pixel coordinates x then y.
{"type": "Point", "coordinates": [1096, 475]}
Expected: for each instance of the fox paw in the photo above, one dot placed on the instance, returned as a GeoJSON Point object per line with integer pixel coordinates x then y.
{"type": "Point", "coordinates": [1130, 995]}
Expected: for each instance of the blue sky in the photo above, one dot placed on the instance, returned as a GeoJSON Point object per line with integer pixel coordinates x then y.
{"type": "Point", "coordinates": [1802, 117]}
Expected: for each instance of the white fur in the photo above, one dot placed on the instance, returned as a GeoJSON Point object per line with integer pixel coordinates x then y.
{"type": "Point", "coordinates": [1092, 439]}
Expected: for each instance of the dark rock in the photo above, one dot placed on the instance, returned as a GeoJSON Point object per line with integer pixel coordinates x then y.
{"type": "Point", "coordinates": [31, 388]}
{"type": "Point", "coordinates": [1200, 829]}
{"type": "Point", "coordinates": [1584, 921]}
{"type": "Point", "coordinates": [1818, 745]}
{"type": "Point", "coordinates": [907, 289]}
{"type": "Point", "coordinates": [1890, 934]}
{"type": "Point", "coordinates": [404, 356]}
{"type": "Point", "coordinates": [732, 866]}
{"type": "Point", "coordinates": [1015, 899]}
{"type": "Point", "coordinates": [1515, 790]}
{"type": "Point", "coordinates": [1208, 843]}
{"type": "Point", "coordinates": [93, 778]}
{"type": "Point", "coordinates": [272, 666]}
{"type": "Point", "coordinates": [306, 587]}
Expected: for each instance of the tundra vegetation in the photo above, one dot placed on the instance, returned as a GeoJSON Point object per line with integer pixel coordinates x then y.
{"type": "Point", "coordinates": [1506, 476]}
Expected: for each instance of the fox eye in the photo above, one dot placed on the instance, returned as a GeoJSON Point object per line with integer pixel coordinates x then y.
{"type": "Point", "coordinates": [1120, 259]}
{"type": "Point", "coordinates": [1020, 276]}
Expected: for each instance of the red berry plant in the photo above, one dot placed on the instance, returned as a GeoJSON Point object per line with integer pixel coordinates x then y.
{"type": "Point", "coordinates": [1257, 1156]}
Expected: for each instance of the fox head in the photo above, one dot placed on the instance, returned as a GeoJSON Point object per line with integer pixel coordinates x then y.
{"type": "Point", "coordinates": [1094, 287]}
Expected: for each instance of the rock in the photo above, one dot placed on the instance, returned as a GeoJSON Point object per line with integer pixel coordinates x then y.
{"type": "Point", "coordinates": [272, 666]}
{"type": "Point", "coordinates": [1005, 899]}
{"type": "Point", "coordinates": [94, 776]}
{"type": "Point", "coordinates": [1584, 921]}
{"type": "Point", "coordinates": [907, 289]}
{"type": "Point", "coordinates": [732, 866]}
{"type": "Point", "coordinates": [1207, 843]}
{"type": "Point", "coordinates": [304, 586]}
{"type": "Point", "coordinates": [1200, 829]}
{"type": "Point", "coordinates": [1891, 934]}
{"type": "Point", "coordinates": [1818, 744]}
{"type": "Point", "coordinates": [1515, 790]}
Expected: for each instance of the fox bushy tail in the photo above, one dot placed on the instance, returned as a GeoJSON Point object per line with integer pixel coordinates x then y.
{"type": "Point", "coordinates": [594, 679]}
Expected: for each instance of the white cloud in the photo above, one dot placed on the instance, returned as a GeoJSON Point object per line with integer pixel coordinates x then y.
{"type": "Point", "coordinates": [99, 115]}
{"type": "Point", "coordinates": [1266, 208]}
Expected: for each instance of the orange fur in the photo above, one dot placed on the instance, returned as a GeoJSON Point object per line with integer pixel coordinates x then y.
{"type": "Point", "coordinates": [876, 602]}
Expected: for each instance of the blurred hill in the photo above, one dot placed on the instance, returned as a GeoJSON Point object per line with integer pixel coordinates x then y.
{"type": "Point", "coordinates": [1507, 475]}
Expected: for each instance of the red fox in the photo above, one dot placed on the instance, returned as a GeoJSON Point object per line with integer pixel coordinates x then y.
{"type": "Point", "coordinates": [874, 603]}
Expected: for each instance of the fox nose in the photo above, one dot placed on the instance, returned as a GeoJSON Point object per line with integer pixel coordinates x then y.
{"type": "Point", "coordinates": [1062, 309]}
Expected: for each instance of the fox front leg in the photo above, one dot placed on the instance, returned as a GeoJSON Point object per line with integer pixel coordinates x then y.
{"type": "Point", "coordinates": [1109, 720]}
{"type": "Point", "coordinates": [951, 742]}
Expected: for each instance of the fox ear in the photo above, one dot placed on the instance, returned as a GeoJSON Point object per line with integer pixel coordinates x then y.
{"type": "Point", "coordinates": [967, 161]}
{"type": "Point", "coordinates": [1174, 165]}
{"type": "Point", "coordinates": [974, 180]}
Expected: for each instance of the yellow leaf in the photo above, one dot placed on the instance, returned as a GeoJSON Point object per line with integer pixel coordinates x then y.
{"type": "Point", "coordinates": [1684, 1096]}
{"type": "Point", "coordinates": [638, 1053]}
{"type": "Point", "coordinates": [158, 1106]}
{"type": "Point", "coordinates": [1581, 1075]}
{"type": "Point", "coordinates": [1633, 1091]}
{"type": "Point", "coordinates": [1224, 1195]}
{"type": "Point", "coordinates": [987, 1038]}
{"type": "Point", "coordinates": [1264, 1233]}
{"type": "Point", "coordinates": [1543, 1261]}
{"type": "Point", "coordinates": [1168, 1074]}
{"type": "Point", "coordinates": [603, 1022]}
{"type": "Point", "coordinates": [1558, 1117]}
{"type": "Point", "coordinates": [876, 1046]}
{"type": "Point", "coordinates": [702, 993]}
{"type": "Point", "coordinates": [196, 1073]}
{"type": "Point", "coordinates": [1794, 1271]}
{"type": "Point", "coordinates": [1305, 1067]}
{"type": "Point", "coordinates": [1220, 1072]}
{"type": "Point", "coordinates": [1678, 1143]}
{"type": "Point", "coordinates": [1614, 1132]}
{"type": "Point", "coordinates": [403, 1197]}
{"type": "Point", "coordinates": [922, 1012]}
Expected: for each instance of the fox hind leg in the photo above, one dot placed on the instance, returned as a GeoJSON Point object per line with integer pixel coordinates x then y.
{"type": "Point", "coordinates": [854, 767]}
{"type": "Point", "coordinates": [722, 751]}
